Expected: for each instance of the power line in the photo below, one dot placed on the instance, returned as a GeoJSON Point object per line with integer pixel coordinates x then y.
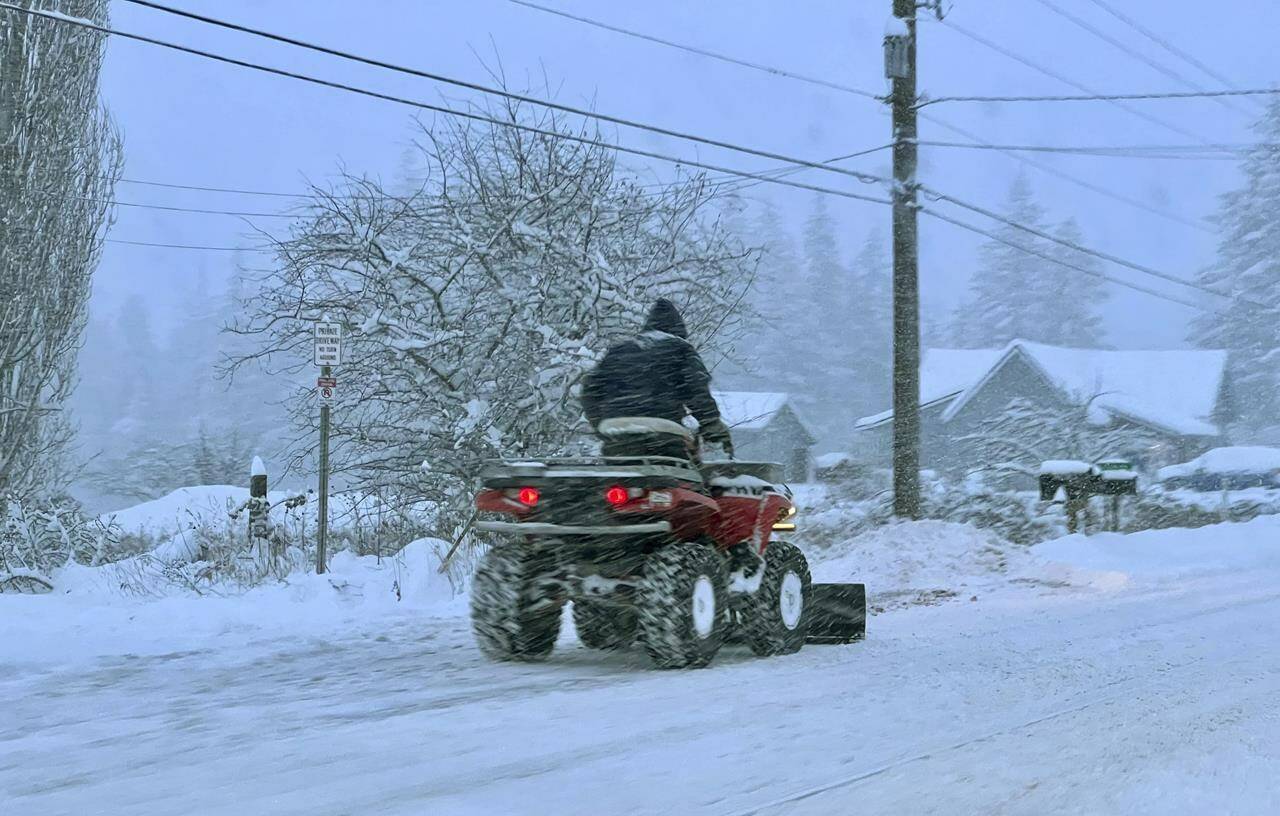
{"type": "Point", "coordinates": [479, 117]}
{"type": "Point", "coordinates": [525, 98]}
{"type": "Point", "coordinates": [1106, 256]}
{"type": "Point", "coordinates": [790, 170]}
{"type": "Point", "coordinates": [1127, 49]}
{"type": "Point", "coordinates": [1198, 224]}
{"type": "Point", "coordinates": [1082, 269]}
{"type": "Point", "coordinates": [1052, 74]}
{"type": "Point", "coordinates": [211, 189]}
{"type": "Point", "coordinates": [553, 134]}
{"type": "Point", "coordinates": [1223, 152]}
{"type": "Point", "coordinates": [1025, 160]}
{"type": "Point", "coordinates": [1100, 97]}
{"type": "Point", "coordinates": [702, 52]}
{"type": "Point", "coordinates": [118, 203]}
{"type": "Point", "coordinates": [185, 246]}
{"type": "Point", "coordinates": [1163, 43]}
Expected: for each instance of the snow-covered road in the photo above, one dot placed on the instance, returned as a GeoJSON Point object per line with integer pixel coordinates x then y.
{"type": "Point", "coordinates": [1161, 698]}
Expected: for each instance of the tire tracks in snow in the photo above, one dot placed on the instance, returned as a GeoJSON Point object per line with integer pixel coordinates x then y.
{"type": "Point", "coordinates": [1055, 714]}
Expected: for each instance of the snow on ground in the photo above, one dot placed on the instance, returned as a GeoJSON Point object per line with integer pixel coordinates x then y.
{"type": "Point", "coordinates": [182, 509]}
{"type": "Point", "coordinates": [1154, 692]}
{"type": "Point", "coordinates": [921, 562]}
{"type": "Point", "coordinates": [189, 507]}
{"type": "Point", "coordinates": [88, 616]}
{"type": "Point", "coordinates": [1168, 554]}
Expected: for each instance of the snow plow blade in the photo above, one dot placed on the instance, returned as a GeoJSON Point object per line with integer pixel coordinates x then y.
{"type": "Point", "coordinates": [839, 613]}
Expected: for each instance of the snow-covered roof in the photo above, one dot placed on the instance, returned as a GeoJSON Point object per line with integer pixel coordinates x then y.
{"type": "Point", "coordinates": [1237, 459]}
{"type": "Point", "coordinates": [749, 410]}
{"type": "Point", "coordinates": [833, 459]}
{"type": "Point", "coordinates": [1173, 389]}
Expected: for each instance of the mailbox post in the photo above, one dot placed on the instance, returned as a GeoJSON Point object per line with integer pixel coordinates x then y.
{"type": "Point", "coordinates": [1073, 483]}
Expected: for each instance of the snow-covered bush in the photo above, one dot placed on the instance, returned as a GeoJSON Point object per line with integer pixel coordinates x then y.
{"type": "Point", "coordinates": [473, 305]}
{"type": "Point", "coordinates": [1157, 510]}
{"type": "Point", "coordinates": [40, 535]}
{"type": "Point", "coordinates": [1012, 516]}
{"type": "Point", "coordinates": [1015, 441]}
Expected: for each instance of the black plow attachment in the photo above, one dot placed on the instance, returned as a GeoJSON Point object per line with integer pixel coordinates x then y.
{"type": "Point", "coordinates": [838, 613]}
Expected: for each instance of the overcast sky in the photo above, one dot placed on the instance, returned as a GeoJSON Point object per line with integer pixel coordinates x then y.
{"type": "Point", "coordinates": [189, 121]}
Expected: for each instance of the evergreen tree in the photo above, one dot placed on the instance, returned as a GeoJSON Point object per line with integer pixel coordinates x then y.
{"type": "Point", "coordinates": [823, 328]}
{"type": "Point", "coordinates": [1009, 290]}
{"type": "Point", "coordinates": [135, 370]}
{"type": "Point", "coordinates": [1069, 311]}
{"type": "Point", "coordinates": [1248, 267]}
{"type": "Point", "coordinates": [872, 323]}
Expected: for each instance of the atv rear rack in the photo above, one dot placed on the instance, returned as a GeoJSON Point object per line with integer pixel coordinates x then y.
{"type": "Point", "coordinates": [597, 467]}
{"type": "Point", "coordinates": [535, 528]}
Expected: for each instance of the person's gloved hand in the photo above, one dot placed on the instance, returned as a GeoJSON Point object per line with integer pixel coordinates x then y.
{"type": "Point", "coordinates": [717, 433]}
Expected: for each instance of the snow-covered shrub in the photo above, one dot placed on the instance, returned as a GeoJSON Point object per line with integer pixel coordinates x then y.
{"type": "Point", "coordinates": [1014, 517]}
{"type": "Point", "coordinates": [42, 534]}
{"type": "Point", "coordinates": [1157, 510]}
{"type": "Point", "coordinates": [1014, 442]}
{"type": "Point", "coordinates": [473, 304]}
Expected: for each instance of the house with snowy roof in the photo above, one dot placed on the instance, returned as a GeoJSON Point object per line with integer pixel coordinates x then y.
{"type": "Point", "coordinates": [1180, 398]}
{"type": "Point", "coordinates": [766, 428]}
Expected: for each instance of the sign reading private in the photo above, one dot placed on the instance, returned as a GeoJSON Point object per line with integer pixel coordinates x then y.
{"type": "Point", "coordinates": [328, 344]}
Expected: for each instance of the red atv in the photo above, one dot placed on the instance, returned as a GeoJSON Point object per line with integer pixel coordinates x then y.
{"type": "Point", "coordinates": [678, 556]}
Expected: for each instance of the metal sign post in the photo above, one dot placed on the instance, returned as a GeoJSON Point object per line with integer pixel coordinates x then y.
{"type": "Point", "coordinates": [327, 354]}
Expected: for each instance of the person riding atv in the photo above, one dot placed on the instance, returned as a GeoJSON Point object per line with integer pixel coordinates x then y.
{"type": "Point", "coordinates": [657, 378]}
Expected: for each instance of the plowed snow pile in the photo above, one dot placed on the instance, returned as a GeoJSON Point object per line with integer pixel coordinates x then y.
{"type": "Point", "coordinates": [921, 562]}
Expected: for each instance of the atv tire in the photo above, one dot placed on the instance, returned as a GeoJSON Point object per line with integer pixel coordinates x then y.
{"type": "Point", "coordinates": [683, 605]}
{"type": "Point", "coordinates": [510, 618]}
{"type": "Point", "coordinates": [604, 626]}
{"type": "Point", "coordinates": [775, 619]}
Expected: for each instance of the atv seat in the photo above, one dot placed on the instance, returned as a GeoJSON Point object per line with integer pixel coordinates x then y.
{"type": "Point", "coordinates": [642, 426]}
{"type": "Point", "coordinates": [647, 436]}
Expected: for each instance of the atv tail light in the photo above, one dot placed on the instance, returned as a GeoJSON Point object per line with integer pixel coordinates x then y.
{"type": "Point", "coordinates": [528, 496]}
{"type": "Point", "coordinates": [617, 496]}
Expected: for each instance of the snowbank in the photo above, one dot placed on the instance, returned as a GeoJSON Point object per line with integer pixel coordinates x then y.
{"type": "Point", "coordinates": [182, 509]}
{"type": "Point", "coordinates": [914, 562]}
{"type": "Point", "coordinates": [88, 615]}
{"type": "Point", "coordinates": [1171, 553]}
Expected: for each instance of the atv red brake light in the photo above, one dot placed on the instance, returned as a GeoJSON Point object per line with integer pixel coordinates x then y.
{"type": "Point", "coordinates": [617, 496]}
{"type": "Point", "coordinates": [528, 496]}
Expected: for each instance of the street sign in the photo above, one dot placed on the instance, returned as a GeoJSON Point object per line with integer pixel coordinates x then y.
{"type": "Point", "coordinates": [328, 344]}
{"type": "Point", "coordinates": [326, 386]}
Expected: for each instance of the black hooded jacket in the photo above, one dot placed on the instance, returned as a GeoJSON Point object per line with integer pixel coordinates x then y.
{"type": "Point", "coordinates": [657, 373]}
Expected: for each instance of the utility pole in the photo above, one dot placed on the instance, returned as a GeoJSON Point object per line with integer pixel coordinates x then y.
{"type": "Point", "coordinates": [900, 66]}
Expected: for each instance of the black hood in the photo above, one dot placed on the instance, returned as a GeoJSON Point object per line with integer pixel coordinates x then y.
{"type": "Point", "coordinates": [665, 317]}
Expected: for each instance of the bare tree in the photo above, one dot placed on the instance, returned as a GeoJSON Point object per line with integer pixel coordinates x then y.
{"type": "Point", "coordinates": [60, 155]}
{"type": "Point", "coordinates": [474, 304]}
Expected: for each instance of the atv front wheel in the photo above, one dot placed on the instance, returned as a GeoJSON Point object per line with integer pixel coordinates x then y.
{"type": "Point", "coordinates": [682, 606]}
{"type": "Point", "coordinates": [604, 626]}
{"type": "Point", "coordinates": [510, 618]}
{"type": "Point", "coordinates": [775, 618]}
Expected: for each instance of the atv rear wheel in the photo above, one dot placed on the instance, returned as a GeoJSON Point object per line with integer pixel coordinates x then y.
{"type": "Point", "coordinates": [682, 606]}
{"type": "Point", "coordinates": [509, 616]}
{"type": "Point", "coordinates": [604, 626]}
{"type": "Point", "coordinates": [776, 617]}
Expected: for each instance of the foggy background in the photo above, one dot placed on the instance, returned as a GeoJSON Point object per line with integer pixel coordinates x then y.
{"type": "Point", "coordinates": [147, 367]}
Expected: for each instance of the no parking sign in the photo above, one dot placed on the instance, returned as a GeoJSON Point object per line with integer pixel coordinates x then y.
{"type": "Point", "coordinates": [326, 386]}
